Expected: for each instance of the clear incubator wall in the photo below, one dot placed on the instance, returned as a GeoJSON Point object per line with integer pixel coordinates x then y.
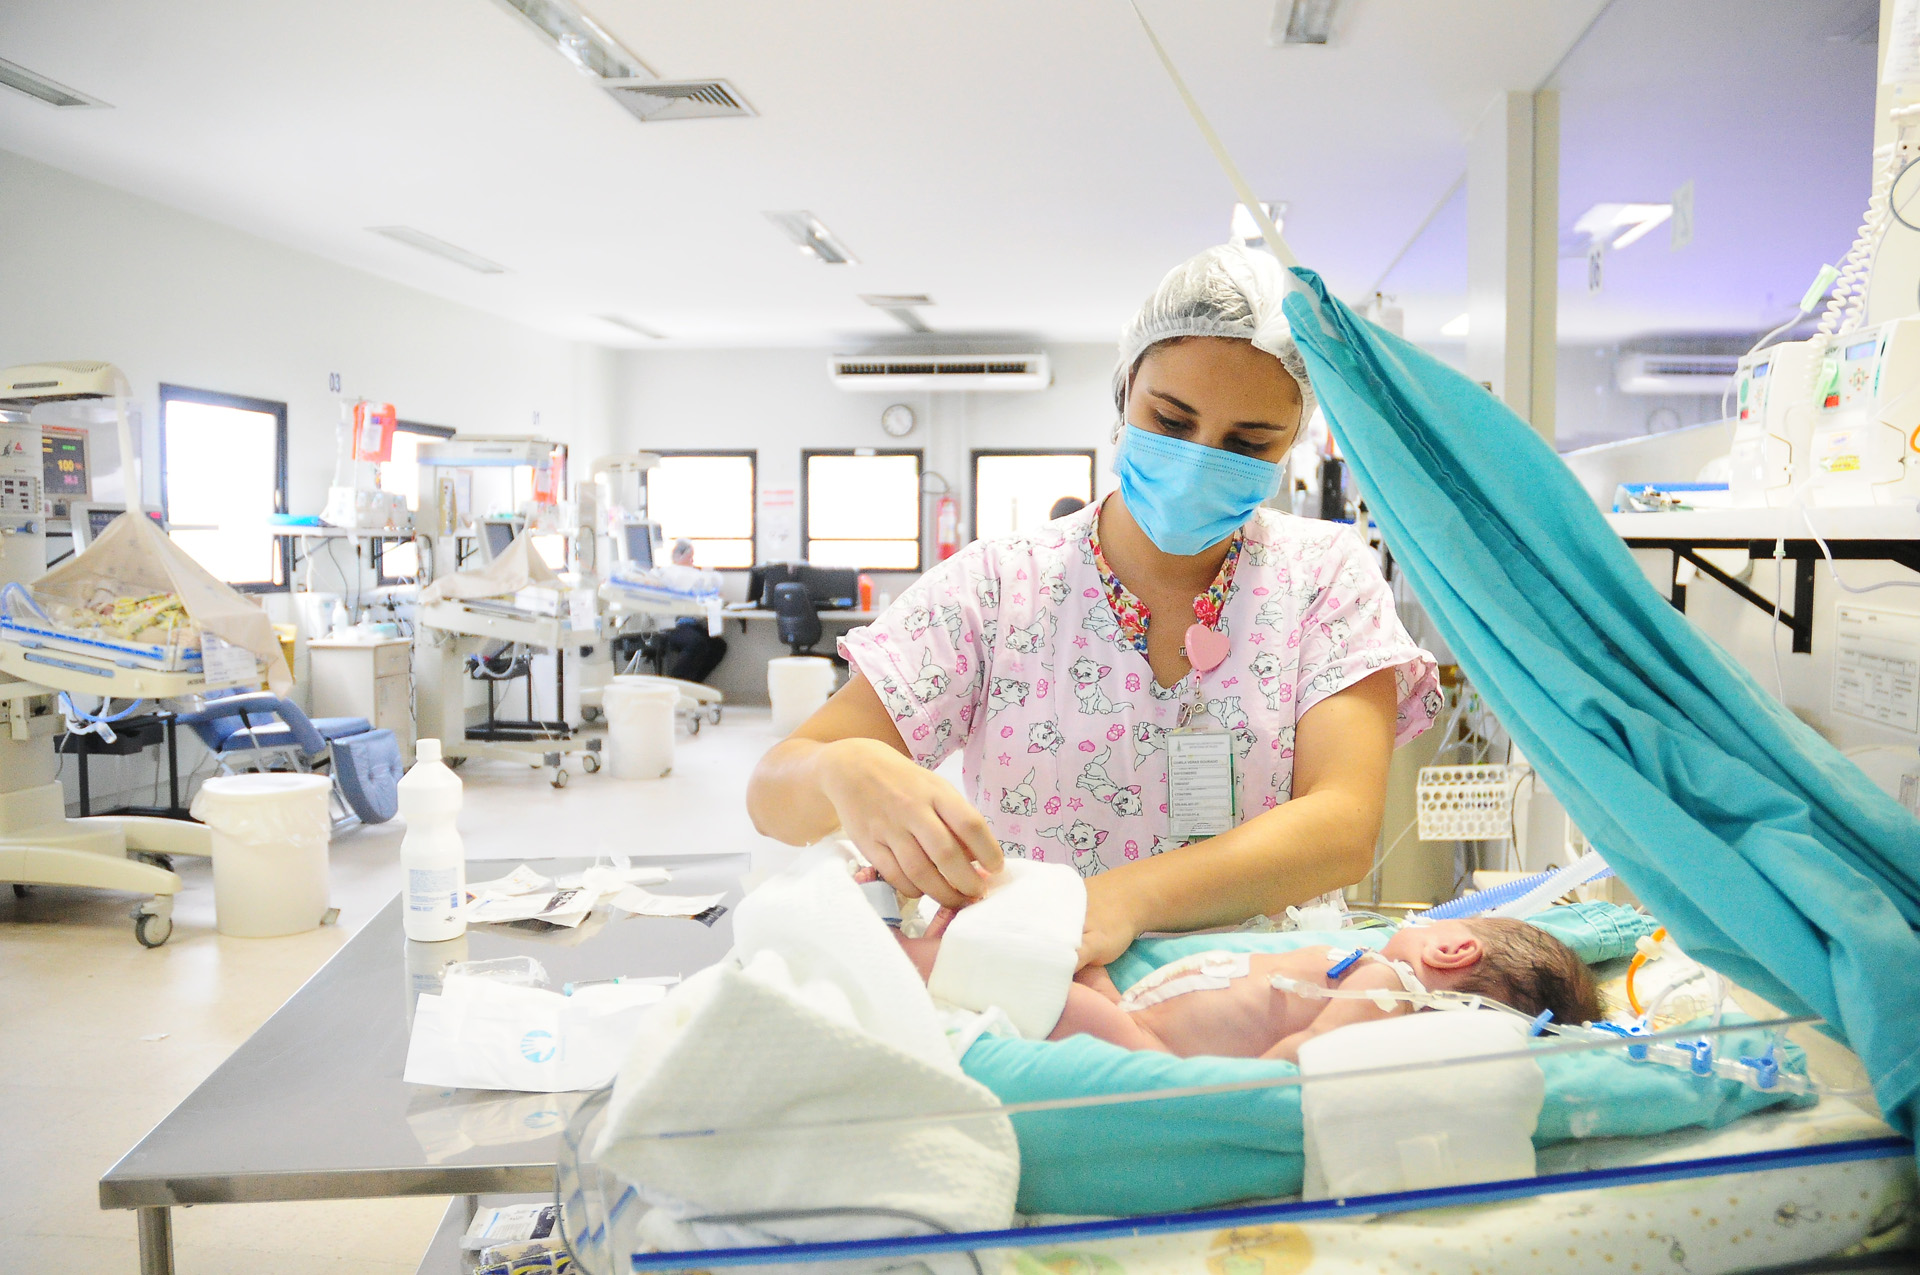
{"type": "Point", "coordinates": [1703, 1146]}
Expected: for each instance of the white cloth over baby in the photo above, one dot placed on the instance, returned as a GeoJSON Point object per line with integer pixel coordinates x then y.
{"type": "Point", "coordinates": [1017, 948]}
{"type": "Point", "coordinates": [819, 1020]}
{"type": "Point", "coordinates": [1431, 1127]}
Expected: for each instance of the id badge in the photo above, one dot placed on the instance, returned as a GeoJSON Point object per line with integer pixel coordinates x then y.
{"type": "Point", "coordinates": [1200, 785]}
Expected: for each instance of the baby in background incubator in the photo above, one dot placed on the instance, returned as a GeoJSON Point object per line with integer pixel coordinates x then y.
{"type": "Point", "coordinates": [1225, 1003]}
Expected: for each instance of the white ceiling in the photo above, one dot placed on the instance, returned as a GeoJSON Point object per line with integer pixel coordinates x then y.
{"type": "Point", "coordinates": [1025, 164]}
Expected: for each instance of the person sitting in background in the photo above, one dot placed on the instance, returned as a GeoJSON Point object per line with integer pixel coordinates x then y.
{"type": "Point", "coordinates": [1064, 506]}
{"type": "Point", "coordinates": [693, 653]}
{"type": "Point", "coordinates": [1225, 1003]}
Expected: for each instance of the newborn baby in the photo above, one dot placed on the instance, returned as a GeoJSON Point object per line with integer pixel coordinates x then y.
{"type": "Point", "coordinates": [1224, 1003]}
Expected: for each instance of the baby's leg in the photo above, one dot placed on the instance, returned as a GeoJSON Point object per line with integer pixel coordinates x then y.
{"type": "Point", "coordinates": [922, 952]}
{"type": "Point", "coordinates": [1089, 1013]}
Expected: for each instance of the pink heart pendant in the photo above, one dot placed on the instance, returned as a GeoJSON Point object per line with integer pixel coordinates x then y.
{"type": "Point", "coordinates": [1205, 647]}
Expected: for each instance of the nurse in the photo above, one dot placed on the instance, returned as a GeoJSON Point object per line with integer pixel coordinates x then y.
{"type": "Point", "coordinates": [1189, 697]}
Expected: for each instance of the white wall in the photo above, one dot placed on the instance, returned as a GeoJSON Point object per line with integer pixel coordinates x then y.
{"type": "Point", "coordinates": [781, 401]}
{"type": "Point", "coordinates": [88, 272]}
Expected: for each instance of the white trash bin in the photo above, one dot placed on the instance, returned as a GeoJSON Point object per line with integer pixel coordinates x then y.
{"type": "Point", "coordinates": [797, 685]}
{"type": "Point", "coordinates": [640, 728]}
{"type": "Point", "coordinates": [270, 835]}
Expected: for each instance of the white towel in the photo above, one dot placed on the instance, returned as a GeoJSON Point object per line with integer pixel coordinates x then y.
{"type": "Point", "coordinates": [1438, 1126]}
{"type": "Point", "coordinates": [825, 1022]}
{"type": "Point", "coordinates": [1017, 948]}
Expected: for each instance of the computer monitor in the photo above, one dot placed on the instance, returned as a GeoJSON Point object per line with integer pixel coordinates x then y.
{"type": "Point", "coordinates": [831, 588]}
{"type": "Point", "coordinates": [761, 579]}
{"type": "Point", "coordinates": [90, 518]}
{"type": "Point", "coordinates": [496, 536]}
{"type": "Point", "coordinates": [639, 540]}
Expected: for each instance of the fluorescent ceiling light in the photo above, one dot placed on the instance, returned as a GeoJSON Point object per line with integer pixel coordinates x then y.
{"type": "Point", "coordinates": [1621, 225]}
{"type": "Point", "coordinates": [1302, 22]}
{"type": "Point", "coordinates": [1456, 326]}
{"type": "Point", "coordinates": [580, 40]}
{"type": "Point", "coordinates": [1243, 227]}
{"type": "Point", "coordinates": [812, 237]}
{"type": "Point", "coordinates": [639, 329]}
{"type": "Point", "coordinates": [18, 78]}
{"type": "Point", "coordinates": [439, 248]}
{"type": "Point", "coordinates": [901, 305]}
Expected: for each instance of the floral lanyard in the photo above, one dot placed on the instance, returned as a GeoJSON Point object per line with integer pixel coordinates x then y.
{"type": "Point", "coordinates": [1206, 646]}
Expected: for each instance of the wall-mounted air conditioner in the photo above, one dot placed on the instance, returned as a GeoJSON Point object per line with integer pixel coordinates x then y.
{"type": "Point", "coordinates": [1643, 373]}
{"type": "Point", "coordinates": [890, 373]}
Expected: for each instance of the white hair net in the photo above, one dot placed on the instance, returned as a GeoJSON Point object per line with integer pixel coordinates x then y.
{"type": "Point", "coordinates": [1227, 291]}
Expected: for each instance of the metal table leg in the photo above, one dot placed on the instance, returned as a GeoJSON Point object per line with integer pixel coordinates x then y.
{"type": "Point", "coordinates": [156, 1241]}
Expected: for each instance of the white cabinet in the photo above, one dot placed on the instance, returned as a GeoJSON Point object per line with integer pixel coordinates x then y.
{"type": "Point", "coordinates": [373, 680]}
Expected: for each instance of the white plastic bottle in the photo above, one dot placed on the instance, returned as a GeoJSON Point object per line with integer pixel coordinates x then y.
{"type": "Point", "coordinates": [339, 620]}
{"type": "Point", "coordinates": [431, 854]}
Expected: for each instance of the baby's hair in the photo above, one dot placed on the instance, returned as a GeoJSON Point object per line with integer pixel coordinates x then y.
{"type": "Point", "coordinates": [1524, 966]}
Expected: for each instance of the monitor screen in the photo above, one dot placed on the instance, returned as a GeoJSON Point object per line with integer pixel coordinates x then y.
{"type": "Point", "coordinates": [87, 530]}
{"type": "Point", "coordinates": [640, 544]}
{"type": "Point", "coordinates": [499, 536]}
{"type": "Point", "coordinates": [64, 454]}
{"type": "Point", "coordinates": [832, 588]}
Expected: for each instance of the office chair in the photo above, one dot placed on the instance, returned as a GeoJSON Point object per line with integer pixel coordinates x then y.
{"type": "Point", "coordinates": [799, 622]}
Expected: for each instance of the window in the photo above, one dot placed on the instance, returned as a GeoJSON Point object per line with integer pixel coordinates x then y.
{"type": "Point", "coordinates": [708, 498]}
{"type": "Point", "coordinates": [861, 509]}
{"type": "Point", "coordinates": [223, 470]}
{"type": "Point", "coordinates": [1015, 490]}
{"type": "Point", "coordinates": [399, 560]}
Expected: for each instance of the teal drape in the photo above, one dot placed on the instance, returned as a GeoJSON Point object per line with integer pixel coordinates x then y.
{"type": "Point", "coordinates": [1767, 854]}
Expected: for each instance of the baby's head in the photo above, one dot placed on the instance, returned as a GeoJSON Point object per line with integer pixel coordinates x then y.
{"type": "Point", "coordinates": [1506, 960]}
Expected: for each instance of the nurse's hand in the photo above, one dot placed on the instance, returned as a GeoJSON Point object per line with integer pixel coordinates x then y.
{"type": "Point", "coordinates": [1111, 925]}
{"type": "Point", "coordinates": [915, 827]}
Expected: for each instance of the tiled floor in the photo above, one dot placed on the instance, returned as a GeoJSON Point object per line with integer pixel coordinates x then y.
{"type": "Point", "coordinates": [100, 1038]}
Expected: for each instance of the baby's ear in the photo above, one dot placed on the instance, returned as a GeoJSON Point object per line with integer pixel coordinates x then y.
{"type": "Point", "coordinates": [1454, 954]}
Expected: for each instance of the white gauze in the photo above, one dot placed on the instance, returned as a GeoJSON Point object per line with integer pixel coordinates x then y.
{"type": "Point", "coordinates": [1017, 948]}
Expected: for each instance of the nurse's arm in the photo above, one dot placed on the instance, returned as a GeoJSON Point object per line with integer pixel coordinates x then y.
{"type": "Point", "coordinates": [847, 767]}
{"type": "Point", "coordinates": [1320, 840]}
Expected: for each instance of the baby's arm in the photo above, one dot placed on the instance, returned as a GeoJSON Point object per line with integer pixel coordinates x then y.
{"type": "Point", "coordinates": [1342, 1013]}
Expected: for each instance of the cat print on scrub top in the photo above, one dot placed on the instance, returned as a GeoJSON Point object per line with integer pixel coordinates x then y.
{"type": "Point", "coordinates": [1020, 653]}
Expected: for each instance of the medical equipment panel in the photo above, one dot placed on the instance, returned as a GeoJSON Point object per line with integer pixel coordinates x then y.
{"type": "Point", "coordinates": [1772, 424]}
{"type": "Point", "coordinates": [66, 475]}
{"type": "Point", "coordinates": [639, 542]}
{"type": "Point", "coordinates": [1865, 446]}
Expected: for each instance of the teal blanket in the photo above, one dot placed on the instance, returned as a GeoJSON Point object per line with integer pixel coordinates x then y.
{"type": "Point", "coordinates": [1768, 855]}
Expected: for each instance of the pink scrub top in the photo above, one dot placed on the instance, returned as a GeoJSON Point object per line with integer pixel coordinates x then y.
{"type": "Point", "coordinates": [1021, 652]}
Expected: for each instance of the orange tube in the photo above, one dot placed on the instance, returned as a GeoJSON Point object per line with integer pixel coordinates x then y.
{"type": "Point", "coordinates": [1633, 967]}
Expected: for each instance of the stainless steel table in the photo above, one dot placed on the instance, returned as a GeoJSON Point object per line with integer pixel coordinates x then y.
{"type": "Point", "coordinates": [312, 1106]}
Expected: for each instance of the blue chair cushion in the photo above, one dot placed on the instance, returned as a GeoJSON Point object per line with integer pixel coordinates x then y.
{"type": "Point", "coordinates": [367, 770]}
{"type": "Point", "coordinates": [331, 728]}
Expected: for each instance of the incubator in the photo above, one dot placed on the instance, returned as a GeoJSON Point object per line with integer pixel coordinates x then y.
{"type": "Point", "coordinates": [810, 1104]}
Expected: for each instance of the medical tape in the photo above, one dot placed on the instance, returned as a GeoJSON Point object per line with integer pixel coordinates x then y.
{"type": "Point", "coordinates": [1385, 997]}
{"type": "Point", "coordinates": [1201, 972]}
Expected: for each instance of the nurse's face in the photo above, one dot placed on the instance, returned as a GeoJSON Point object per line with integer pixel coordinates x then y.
{"type": "Point", "coordinates": [1219, 393]}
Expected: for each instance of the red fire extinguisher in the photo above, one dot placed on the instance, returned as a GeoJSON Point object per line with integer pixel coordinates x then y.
{"type": "Point", "coordinates": [946, 527]}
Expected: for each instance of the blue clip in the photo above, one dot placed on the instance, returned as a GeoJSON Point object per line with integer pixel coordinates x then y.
{"type": "Point", "coordinates": [1540, 1022]}
{"type": "Point", "coordinates": [1346, 962]}
{"type": "Point", "coordinates": [1636, 1052]}
{"type": "Point", "coordinates": [1702, 1051]}
{"type": "Point", "coordinates": [1766, 1069]}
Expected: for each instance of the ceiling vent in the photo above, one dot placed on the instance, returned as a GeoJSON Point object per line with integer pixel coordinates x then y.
{"type": "Point", "coordinates": [941, 373]}
{"type": "Point", "coordinates": [1674, 373]}
{"type": "Point", "coordinates": [655, 101]}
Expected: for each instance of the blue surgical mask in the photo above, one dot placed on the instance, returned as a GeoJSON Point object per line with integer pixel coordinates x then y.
{"type": "Point", "coordinates": [1185, 496]}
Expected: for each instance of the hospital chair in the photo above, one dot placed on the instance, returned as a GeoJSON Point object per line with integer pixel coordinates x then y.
{"type": "Point", "coordinates": [258, 730]}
